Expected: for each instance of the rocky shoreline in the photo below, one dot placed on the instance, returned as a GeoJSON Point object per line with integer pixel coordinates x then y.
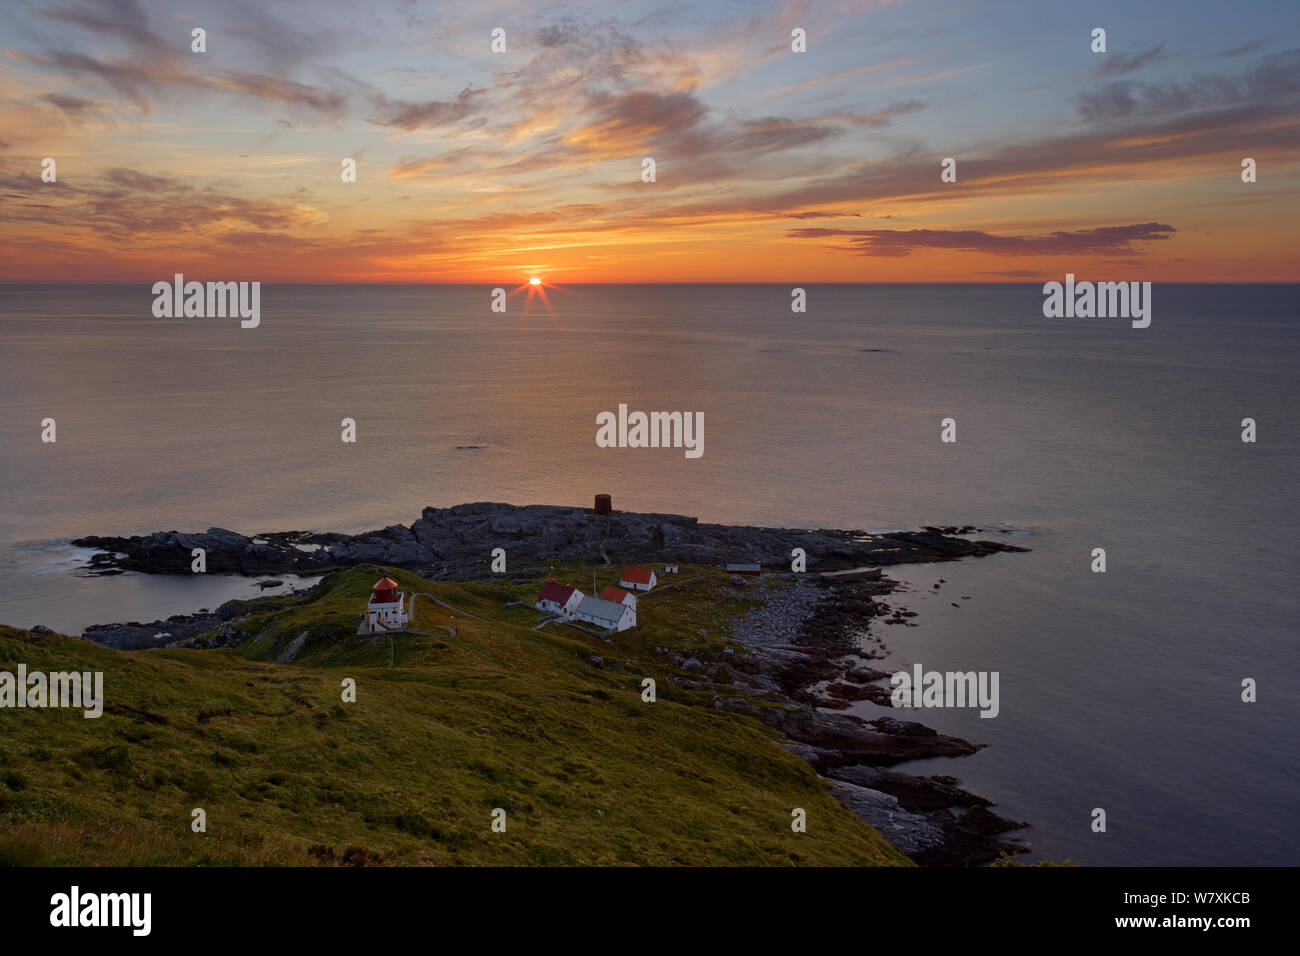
{"type": "Point", "coordinates": [810, 642]}
{"type": "Point", "coordinates": [205, 629]}
{"type": "Point", "coordinates": [825, 665]}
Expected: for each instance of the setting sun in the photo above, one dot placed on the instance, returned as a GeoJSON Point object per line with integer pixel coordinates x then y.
{"type": "Point", "coordinates": [534, 281]}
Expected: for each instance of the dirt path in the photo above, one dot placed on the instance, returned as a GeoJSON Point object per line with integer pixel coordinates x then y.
{"type": "Point", "coordinates": [664, 587]}
{"type": "Point", "coordinates": [449, 607]}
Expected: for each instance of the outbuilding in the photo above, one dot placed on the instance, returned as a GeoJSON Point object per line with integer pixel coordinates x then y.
{"type": "Point", "coordinates": [638, 579]}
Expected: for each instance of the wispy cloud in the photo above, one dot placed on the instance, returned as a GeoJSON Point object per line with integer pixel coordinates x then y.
{"type": "Point", "coordinates": [1243, 49]}
{"type": "Point", "coordinates": [902, 242]}
{"type": "Point", "coordinates": [1117, 64]}
{"type": "Point", "coordinates": [471, 160]}
{"type": "Point", "coordinates": [410, 116]}
{"type": "Point", "coordinates": [1272, 84]}
{"type": "Point", "coordinates": [153, 67]}
{"type": "Point", "coordinates": [841, 75]}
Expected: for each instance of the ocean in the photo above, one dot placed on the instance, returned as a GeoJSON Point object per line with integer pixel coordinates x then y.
{"type": "Point", "coordinates": [1119, 690]}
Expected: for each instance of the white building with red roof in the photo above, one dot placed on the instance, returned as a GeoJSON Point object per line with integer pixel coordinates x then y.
{"type": "Point", "coordinates": [556, 598]}
{"type": "Point", "coordinates": [619, 596]}
{"type": "Point", "coordinates": [638, 579]}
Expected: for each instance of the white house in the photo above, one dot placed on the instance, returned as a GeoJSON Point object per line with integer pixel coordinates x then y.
{"type": "Point", "coordinates": [619, 596]}
{"type": "Point", "coordinates": [607, 614]}
{"type": "Point", "coordinates": [557, 598]}
{"type": "Point", "coordinates": [638, 579]}
{"type": "Point", "coordinates": [671, 569]}
{"type": "Point", "coordinates": [387, 610]}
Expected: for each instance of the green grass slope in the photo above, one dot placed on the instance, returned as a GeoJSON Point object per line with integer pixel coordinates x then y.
{"type": "Point", "coordinates": [445, 728]}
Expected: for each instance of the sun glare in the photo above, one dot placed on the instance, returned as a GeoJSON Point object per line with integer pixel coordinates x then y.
{"type": "Point", "coordinates": [536, 288]}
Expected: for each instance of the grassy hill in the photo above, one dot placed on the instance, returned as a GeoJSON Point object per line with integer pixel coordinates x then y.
{"type": "Point", "coordinates": [448, 724]}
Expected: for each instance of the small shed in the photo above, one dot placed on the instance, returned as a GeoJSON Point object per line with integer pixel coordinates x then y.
{"type": "Point", "coordinates": [638, 579]}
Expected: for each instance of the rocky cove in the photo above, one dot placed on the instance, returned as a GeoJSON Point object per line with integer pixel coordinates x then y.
{"type": "Point", "coordinates": [809, 639]}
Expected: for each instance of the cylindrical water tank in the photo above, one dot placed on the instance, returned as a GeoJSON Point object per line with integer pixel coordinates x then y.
{"type": "Point", "coordinates": [603, 505]}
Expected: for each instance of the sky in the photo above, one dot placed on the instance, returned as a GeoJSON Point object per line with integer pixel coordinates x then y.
{"type": "Point", "coordinates": [770, 164]}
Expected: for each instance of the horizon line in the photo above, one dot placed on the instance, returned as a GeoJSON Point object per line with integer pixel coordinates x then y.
{"type": "Point", "coordinates": [559, 286]}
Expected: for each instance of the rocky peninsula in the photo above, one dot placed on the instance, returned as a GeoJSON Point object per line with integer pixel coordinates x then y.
{"type": "Point", "coordinates": [808, 642]}
{"type": "Point", "coordinates": [456, 544]}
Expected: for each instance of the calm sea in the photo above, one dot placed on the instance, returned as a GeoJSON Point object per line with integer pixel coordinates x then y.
{"type": "Point", "coordinates": [1118, 690]}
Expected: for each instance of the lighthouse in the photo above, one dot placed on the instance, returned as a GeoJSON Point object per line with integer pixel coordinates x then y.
{"type": "Point", "coordinates": [387, 609]}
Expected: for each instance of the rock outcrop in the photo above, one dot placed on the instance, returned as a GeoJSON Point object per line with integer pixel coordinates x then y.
{"type": "Point", "coordinates": [454, 543]}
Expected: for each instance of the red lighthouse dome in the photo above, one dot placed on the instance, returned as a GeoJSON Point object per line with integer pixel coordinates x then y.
{"type": "Point", "coordinates": [384, 591]}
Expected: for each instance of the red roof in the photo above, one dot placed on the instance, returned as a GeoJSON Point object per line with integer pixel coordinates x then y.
{"type": "Point", "coordinates": [613, 594]}
{"type": "Point", "coordinates": [384, 592]}
{"type": "Point", "coordinates": [636, 575]}
{"type": "Point", "coordinates": [554, 591]}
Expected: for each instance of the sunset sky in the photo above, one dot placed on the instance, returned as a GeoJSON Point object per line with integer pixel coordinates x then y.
{"type": "Point", "coordinates": [824, 166]}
